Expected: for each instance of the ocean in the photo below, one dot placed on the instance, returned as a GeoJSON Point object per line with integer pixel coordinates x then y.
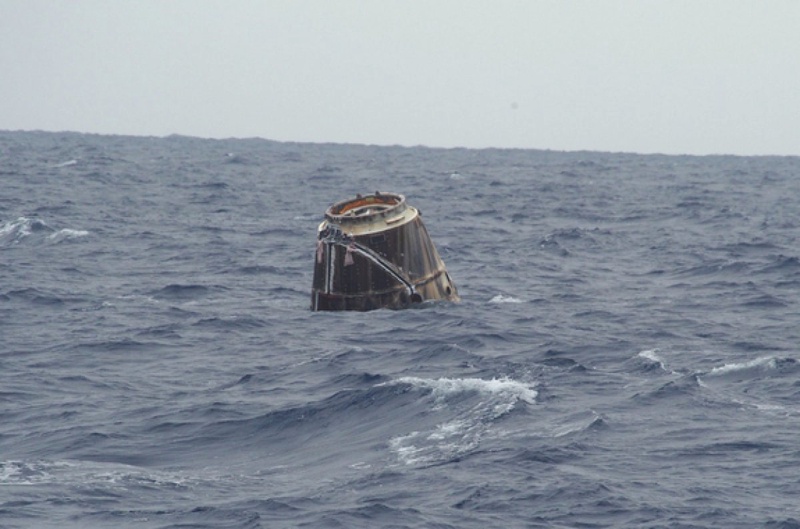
{"type": "Point", "coordinates": [624, 355]}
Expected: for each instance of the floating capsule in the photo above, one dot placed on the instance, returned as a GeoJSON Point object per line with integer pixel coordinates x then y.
{"type": "Point", "coordinates": [374, 252]}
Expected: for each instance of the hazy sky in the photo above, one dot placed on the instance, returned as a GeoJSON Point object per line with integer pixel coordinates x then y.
{"type": "Point", "coordinates": [690, 76]}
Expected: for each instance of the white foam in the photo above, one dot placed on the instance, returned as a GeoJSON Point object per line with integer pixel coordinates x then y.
{"type": "Point", "coordinates": [465, 409]}
{"type": "Point", "coordinates": [67, 233]}
{"type": "Point", "coordinates": [25, 473]}
{"type": "Point", "coordinates": [764, 362]}
{"type": "Point", "coordinates": [769, 407]}
{"type": "Point", "coordinates": [66, 164]}
{"type": "Point", "coordinates": [652, 356]}
{"type": "Point", "coordinates": [406, 451]}
{"type": "Point", "coordinates": [447, 430]}
{"type": "Point", "coordinates": [443, 387]}
{"type": "Point", "coordinates": [9, 470]}
{"type": "Point", "coordinates": [16, 230]}
{"type": "Point", "coordinates": [500, 298]}
{"type": "Point", "coordinates": [30, 473]}
{"type": "Point", "coordinates": [139, 297]}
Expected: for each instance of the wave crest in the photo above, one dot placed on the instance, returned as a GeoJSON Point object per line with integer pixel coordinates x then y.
{"type": "Point", "coordinates": [500, 298]}
{"type": "Point", "coordinates": [765, 363]}
{"type": "Point", "coordinates": [15, 231]}
{"type": "Point", "coordinates": [443, 388]}
{"type": "Point", "coordinates": [464, 413]}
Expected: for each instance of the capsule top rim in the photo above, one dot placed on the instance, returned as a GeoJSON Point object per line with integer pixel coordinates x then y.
{"type": "Point", "coordinates": [367, 208]}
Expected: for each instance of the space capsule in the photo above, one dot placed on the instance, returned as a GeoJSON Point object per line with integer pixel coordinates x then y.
{"type": "Point", "coordinates": [374, 252]}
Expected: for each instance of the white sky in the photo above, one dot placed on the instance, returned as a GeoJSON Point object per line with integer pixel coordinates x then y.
{"type": "Point", "coordinates": [693, 76]}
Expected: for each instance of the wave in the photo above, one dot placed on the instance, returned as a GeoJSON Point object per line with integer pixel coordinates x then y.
{"type": "Point", "coordinates": [767, 384]}
{"type": "Point", "coordinates": [15, 231]}
{"type": "Point", "coordinates": [419, 420]}
{"type": "Point", "coordinates": [681, 387]}
{"type": "Point", "coordinates": [117, 476]}
{"type": "Point", "coordinates": [237, 322]}
{"type": "Point", "coordinates": [180, 292]}
{"type": "Point", "coordinates": [443, 388]}
{"type": "Point", "coordinates": [500, 298]}
{"type": "Point", "coordinates": [735, 269]}
{"type": "Point", "coordinates": [261, 269]}
{"type": "Point", "coordinates": [466, 411]}
{"type": "Point", "coordinates": [758, 382]}
{"type": "Point", "coordinates": [652, 355]}
{"type": "Point", "coordinates": [569, 424]}
{"type": "Point", "coordinates": [782, 264]}
{"type": "Point", "coordinates": [755, 248]}
{"type": "Point", "coordinates": [118, 345]}
{"type": "Point", "coordinates": [66, 233]}
{"type": "Point", "coordinates": [650, 361]}
{"type": "Point", "coordinates": [68, 163]}
{"type": "Point", "coordinates": [765, 301]}
{"type": "Point", "coordinates": [755, 367]}
{"type": "Point", "coordinates": [35, 296]}
{"type": "Point", "coordinates": [727, 448]}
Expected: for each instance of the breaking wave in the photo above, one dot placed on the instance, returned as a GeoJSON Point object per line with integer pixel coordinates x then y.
{"type": "Point", "coordinates": [465, 411]}
{"type": "Point", "coordinates": [15, 231]}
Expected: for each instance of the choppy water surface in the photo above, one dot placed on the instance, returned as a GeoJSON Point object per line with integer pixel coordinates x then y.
{"type": "Point", "coordinates": [625, 354]}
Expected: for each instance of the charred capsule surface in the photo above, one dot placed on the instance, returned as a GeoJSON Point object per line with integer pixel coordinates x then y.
{"type": "Point", "coordinates": [374, 252]}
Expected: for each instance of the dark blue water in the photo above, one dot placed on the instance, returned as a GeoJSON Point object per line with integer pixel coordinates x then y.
{"type": "Point", "coordinates": [625, 354]}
